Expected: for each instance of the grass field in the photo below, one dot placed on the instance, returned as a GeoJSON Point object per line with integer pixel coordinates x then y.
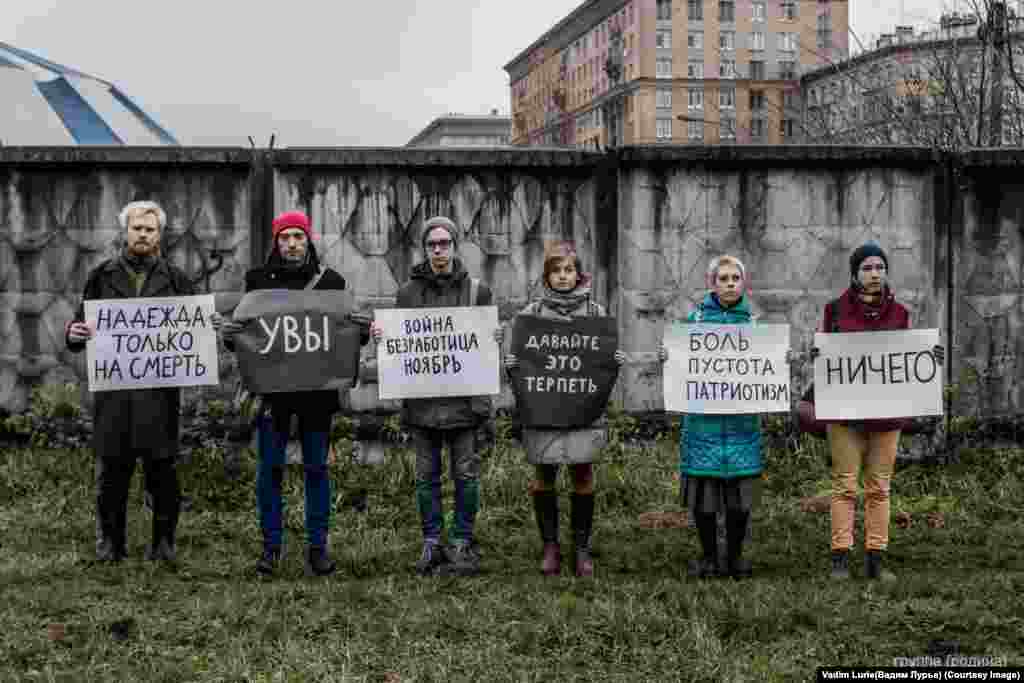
{"type": "Point", "coordinates": [960, 561]}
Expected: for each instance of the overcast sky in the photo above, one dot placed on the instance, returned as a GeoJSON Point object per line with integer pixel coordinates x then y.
{"type": "Point", "coordinates": [314, 72]}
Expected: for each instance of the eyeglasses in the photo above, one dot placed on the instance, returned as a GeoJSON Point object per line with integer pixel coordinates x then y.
{"type": "Point", "coordinates": [443, 245]}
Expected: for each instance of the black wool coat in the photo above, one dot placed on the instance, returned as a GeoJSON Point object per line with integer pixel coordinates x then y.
{"type": "Point", "coordinates": [134, 422]}
{"type": "Point", "coordinates": [316, 407]}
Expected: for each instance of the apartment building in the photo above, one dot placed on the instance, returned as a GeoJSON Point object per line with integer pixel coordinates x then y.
{"type": "Point", "coordinates": [683, 71]}
{"type": "Point", "coordinates": [945, 87]}
{"type": "Point", "coordinates": [464, 130]}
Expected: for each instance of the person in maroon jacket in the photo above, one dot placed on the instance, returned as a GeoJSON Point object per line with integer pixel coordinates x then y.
{"type": "Point", "coordinates": [868, 305]}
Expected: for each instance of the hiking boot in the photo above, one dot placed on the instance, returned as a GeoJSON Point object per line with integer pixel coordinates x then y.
{"type": "Point", "coordinates": [840, 565]}
{"type": "Point", "coordinates": [463, 559]}
{"type": "Point", "coordinates": [705, 567]}
{"type": "Point", "coordinates": [431, 559]}
{"type": "Point", "coordinates": [318, 562]}
{"type": "Point", "coordinates": [162, 551]}
{"type": "Point", "coordinates": [269, 561]}
{"type": "Point", "coordinates": [873, 567]}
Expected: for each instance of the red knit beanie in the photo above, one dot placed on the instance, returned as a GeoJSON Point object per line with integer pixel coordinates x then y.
{"type": "Point", "coordinates": [292, 219]}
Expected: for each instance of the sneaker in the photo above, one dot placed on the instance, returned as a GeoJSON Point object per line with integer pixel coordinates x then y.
{"type": "Point", "coordinates": [840, 565]}
{"type": "Point", "coordinates": [873, 567]}
{"type": "Point", "coordinates": [269, 561]}
{"type": "Point", "coordinates": [464, 560]}
{"type": "Point", "coordinates": [318, 562]}
{"type": "Point", "coordinates": [431, 559]}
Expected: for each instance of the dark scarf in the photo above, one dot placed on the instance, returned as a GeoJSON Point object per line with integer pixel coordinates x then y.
{"type": "Point", "coordinates": [288, 272]}
{"type": "Point", "coordinates": [564, 303]}
{"type": "Point", "coordinates": [139, 265]}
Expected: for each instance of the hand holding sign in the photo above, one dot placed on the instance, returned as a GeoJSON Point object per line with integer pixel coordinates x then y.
{"type": "Point", "coordinates": [79, 332]}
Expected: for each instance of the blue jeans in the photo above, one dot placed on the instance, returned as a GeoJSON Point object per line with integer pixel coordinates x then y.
{"type": "Point", "coordinates": [270, 476]}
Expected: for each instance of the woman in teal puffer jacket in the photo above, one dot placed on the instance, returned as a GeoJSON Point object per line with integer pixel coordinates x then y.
{"type": "Point", "coordinates": [720, 455]}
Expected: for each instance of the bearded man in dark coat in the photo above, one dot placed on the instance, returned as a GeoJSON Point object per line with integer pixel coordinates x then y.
{"type": "Point", "coordinates": [135, 424]}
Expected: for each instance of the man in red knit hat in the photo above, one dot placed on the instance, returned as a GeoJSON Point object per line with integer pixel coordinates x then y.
{"type": "Point", "coordinates": [293, 264]}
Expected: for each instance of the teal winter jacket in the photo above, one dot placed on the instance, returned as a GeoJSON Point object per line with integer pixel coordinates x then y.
{"type": "Point", "coordinates": [721, 446]}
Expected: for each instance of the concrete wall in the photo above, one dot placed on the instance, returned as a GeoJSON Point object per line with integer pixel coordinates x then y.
{"type": "Point", "coordinates": [647, 221]}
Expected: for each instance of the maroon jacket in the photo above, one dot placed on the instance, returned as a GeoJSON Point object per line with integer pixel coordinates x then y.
{"type": "Point", "coordinates": [849, 314]}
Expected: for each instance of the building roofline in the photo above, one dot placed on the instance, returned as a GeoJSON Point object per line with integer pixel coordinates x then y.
{"type": "Point", "coordinates": [461, 118]}
{"type": "Point", "coordinates": [558, 28]}
{"type": "Point", "coordinates": [888, 50]}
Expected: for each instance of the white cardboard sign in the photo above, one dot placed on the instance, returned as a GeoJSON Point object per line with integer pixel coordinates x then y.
{"type": "Point", "coordinates": [865, 375]}
{"type": "Point", "coordinates": [434, 352]}
{"type": "Point", "coordinates": [151, 343]}
{"type": "Point", "coordinates": [726, 369]}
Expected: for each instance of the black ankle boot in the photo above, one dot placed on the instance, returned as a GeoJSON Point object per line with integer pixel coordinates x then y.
{"type": "Point", "coordinates": [873, 567]}
{"type": "Point", "coordinates": [840, 565]}
{"type": "Point", "coordinates": [318, 562]}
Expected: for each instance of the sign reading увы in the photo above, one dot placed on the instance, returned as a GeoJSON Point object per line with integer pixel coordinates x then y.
{"type": "Point", "coordinates": [433, 352]}
{"type": "Point", "coordinates": [151, 343]}
{"type": "Point", "coordinates": [566, 369]}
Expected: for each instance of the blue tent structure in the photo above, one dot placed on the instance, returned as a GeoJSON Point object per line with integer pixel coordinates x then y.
{"type": "Point", "coordinates": [44, 103]}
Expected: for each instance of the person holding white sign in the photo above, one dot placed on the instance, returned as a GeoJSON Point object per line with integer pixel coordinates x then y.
{"type": "Point", "coordinates": [566, 295]}
{"type": "Point", "coordinates": [439, 281]}
{"type": "Point", "coordinates": [867, 305]}
{"type": "Point", "coordinates": [137, 423]}
{"type": "Point", "coordinates": [293, 263]}
{"type": "Point", "coordinates": [720, 455]}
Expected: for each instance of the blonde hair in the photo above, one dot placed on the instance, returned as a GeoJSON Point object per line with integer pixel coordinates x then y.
{"type": "Point", "coordinates": [724, 260]}
{"type": "Point", "coordinates": [141, 208]}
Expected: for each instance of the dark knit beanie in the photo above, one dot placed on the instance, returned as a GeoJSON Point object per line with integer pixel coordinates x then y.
{"type": "Point", "coordinates": [440, 222]}
{"type": "Point", "coordinates": [868, 249]}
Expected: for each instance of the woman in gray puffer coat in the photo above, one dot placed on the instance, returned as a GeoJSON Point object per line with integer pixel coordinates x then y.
{"type": "Point", "coordinates": [566, 295]}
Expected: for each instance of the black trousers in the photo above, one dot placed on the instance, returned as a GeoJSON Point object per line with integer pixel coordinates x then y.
{"type": "Point", "coordinates": [113, 480]}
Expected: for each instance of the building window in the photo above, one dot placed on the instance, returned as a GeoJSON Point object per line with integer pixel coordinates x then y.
{"type": "Point", "coordinates": [789, 9]}
{"type": "Point", "coordinates": [663, 99]}
{"type": "Point", "coordinates": [696, 98]}
{"type": "Point", "coordinates": [787, 70]}
{"type": "Point", "coordinates": [728, 128]}
{"type": "Point", "coordinates": [695, 10]}
{"type": "Point", "coordinates": [727, 40]}
{"type": "Point", "coordinates": [757, 40]}
{"type": "Point", "coordinates": [695, 130]}
{"type": "Point", "coordinates": [664, 9]}
{"type": "Point", "coordinates": [727, 10]}
{"type": "Point", "coordinates": [695, 69]}
{"type": "Point", "coordinates": [787, 42]}
{"type": "Point", "coordinates": [786, 128]}
{"type": "Point", "coordinates": [825, 31]}
{"type": "Point", "coordinates": [695, 40]}
{"type": "Point", "coordinates": [664, 129]}
{"type": "Point", "coordinates": [757, 101]}
{"type": "Point", "coordinates": [663, 39]}
{"type": "Point", "coordinates": [663, 67]}
{"type": "Point", "coordinates": [727, 68]}
{"type": "Point", "coordinates": [758, 129]}
{"type": "Point", "coordinates": [759, 12]}
{"type": "Point", "coordinates": [727, 98]}
{"type": "Point", "coordinates": [756, 70]}
{"type": "Point", "coordinates": [789, 99]}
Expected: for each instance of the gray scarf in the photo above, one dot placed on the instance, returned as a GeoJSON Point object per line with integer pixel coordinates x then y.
{"type": "Point", "coordinates": [564, 303]}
